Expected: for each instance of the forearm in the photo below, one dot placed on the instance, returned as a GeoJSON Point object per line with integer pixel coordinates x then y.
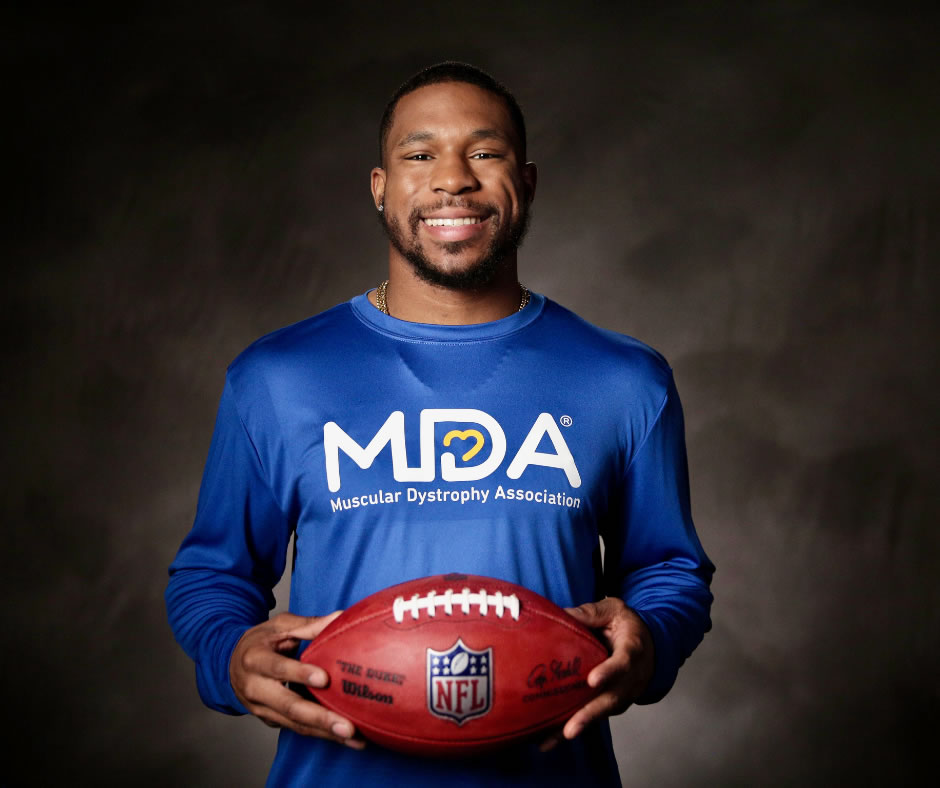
{"type": "Point", "coordinates": [655, 561]}
{"type": "Point", "coordinates": [208, 612]}
{"type": "Point", "coordinates": [675, 606]}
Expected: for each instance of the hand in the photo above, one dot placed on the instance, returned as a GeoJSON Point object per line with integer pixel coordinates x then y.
{"type": "Point", "coordinates": [259, 669]}
{"type": "Point", "coordinates": [624, 675]}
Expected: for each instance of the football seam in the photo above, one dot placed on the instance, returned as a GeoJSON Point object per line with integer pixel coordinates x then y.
{"type": "Point", "coordinates": [571, 625]}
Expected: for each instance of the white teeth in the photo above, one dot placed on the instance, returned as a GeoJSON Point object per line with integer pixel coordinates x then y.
{"type": "Point", "coordinates": [452, 222]}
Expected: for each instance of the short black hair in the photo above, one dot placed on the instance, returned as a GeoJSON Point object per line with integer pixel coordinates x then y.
{"type": "Point", "coordinates": [453, 71]}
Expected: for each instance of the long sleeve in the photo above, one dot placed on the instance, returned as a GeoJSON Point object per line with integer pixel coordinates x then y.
{"type": "Point", "coordinates": [221, 580]}
{"type": "Point", "coordinates": [654, 560]}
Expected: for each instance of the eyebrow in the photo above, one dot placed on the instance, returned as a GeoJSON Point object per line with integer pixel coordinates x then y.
{"type": "Point", "coordinates": [427, 136]}
{"type": "Point", "coordinates": [413, 137]}
{"type": "Point", "coordinates": [489, 134]}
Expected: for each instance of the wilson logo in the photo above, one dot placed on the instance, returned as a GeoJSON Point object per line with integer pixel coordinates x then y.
{"type": "Point", "coordinates": [392, 433]}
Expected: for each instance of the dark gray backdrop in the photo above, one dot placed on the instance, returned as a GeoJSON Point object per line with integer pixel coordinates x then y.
{"type": "Point", "coordinates": [751, 188]}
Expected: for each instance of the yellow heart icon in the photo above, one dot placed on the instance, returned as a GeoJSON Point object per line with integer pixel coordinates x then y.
{"type": "Point", "coordinates": [464, 435]}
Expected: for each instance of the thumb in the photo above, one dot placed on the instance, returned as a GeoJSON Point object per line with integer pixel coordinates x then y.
{"type": "Point", "coordinates": [308, 627]}
{"type": "Point", "coordinates": [591, 614]}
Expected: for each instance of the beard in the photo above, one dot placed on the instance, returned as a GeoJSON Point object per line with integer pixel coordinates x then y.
{"type": "Point", "coordinates": [505, 239]}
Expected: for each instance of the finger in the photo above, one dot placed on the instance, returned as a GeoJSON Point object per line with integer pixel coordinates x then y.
{"type": "Point", "coordinates": [283, 643]}
{"type": "Point", "coordinates": [551, 742]}
{"type": "Point", "coordinates": [309, 628]}
{"type": "Point", "coordinates": [300, 712]}
{"type": "Point", "coordinates": [285, 622]}
{"type": "Point", "coordinates": [614, 666]}
{"type": "Point", "coordinates": [262, 663]}
{"type": "Point", "coordinates": [314, 717]}
{"type": "Point", "coordinates": [340, 730]}
{"type": "Point", "coordinates": [602, 706]}
{"type": "Point", "coordinates": [591, 614]}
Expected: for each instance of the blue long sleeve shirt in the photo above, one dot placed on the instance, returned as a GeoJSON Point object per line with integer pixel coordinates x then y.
{"type": "Point", "coordinates": [395, 450]}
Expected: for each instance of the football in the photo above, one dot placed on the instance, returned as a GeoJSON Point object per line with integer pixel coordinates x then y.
{"type": "Point", "coordinates": [454, 665]}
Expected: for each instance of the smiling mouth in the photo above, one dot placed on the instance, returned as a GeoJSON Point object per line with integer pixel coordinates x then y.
{"type": "Point", "coordinates": [452, 222]}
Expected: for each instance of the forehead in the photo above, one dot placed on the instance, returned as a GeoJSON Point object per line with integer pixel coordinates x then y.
{"type": "Point", "coordinates": [450, 109]}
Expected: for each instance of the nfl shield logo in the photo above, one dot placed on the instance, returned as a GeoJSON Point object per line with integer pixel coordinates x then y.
{"type": "Point", "coordinates": [459, 682]}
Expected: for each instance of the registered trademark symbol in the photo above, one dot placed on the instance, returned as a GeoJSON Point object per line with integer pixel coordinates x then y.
{"type": "Point", "coordinates": [565, 421]}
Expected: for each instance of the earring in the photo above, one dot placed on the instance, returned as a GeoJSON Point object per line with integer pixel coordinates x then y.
{"type": "Point", "coordinates": [381, 208]}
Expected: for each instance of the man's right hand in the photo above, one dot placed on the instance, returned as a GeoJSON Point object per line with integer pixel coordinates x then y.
{"type": "Point", "coordinates": [259, 670]}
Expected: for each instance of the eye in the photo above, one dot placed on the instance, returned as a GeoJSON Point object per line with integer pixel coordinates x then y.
{"type": "Point", "coordinates": [418, 157]}
{"type": "Point", "coordinates": [485, 155]}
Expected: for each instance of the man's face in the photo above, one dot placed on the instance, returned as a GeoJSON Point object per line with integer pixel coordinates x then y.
{"type": "Point", "coordinates": [456, 195]}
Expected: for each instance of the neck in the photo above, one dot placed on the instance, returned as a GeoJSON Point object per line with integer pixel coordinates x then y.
{"type": "Point", "coordinates": [410, 298]}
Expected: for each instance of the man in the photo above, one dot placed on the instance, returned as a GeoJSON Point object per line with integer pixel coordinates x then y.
{"type": "Point", "coordinates": [342, 429]}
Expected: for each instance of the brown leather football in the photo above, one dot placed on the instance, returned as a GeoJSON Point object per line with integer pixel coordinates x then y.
{"type": "Point", "coordinates": [454, 664]}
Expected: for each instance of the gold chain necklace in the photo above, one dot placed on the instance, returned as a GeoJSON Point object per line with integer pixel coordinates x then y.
{"type": "Point", "coordinates": [382, 290]}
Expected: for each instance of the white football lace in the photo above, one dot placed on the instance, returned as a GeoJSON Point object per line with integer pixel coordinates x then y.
{"type": "Point", "coordinates": [463, 600]}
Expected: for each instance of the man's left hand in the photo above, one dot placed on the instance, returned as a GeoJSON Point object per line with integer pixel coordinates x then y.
{"type": "Point", "coordinates": [623, 676]}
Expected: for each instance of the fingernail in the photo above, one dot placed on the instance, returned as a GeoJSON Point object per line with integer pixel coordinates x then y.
{"type": "Point", "coordinates": [549, 745]}
{"type": "Point", "coordinates": [342, 729]}
{"type": "Point", "coordinates": [574, 732]}
{"type": "Point", "coordinates": [317, 679]}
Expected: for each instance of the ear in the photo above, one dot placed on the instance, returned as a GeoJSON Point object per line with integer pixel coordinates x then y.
{"type": "Point", "coordinates": [378, 186]}
{"type": "Point", "coordinates": [530, 177]}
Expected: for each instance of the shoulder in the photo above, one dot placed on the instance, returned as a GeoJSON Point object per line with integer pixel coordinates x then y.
{"type": "Point", "coordinates": [300, 337]}
{"type": "Point", "coordinates": [275, 359]}
{"type": "Point", "coordinates": [618, 358]}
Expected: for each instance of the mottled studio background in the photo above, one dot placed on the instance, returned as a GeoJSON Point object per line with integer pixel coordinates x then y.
{"type": "Point", "coordinates": [752, 188]}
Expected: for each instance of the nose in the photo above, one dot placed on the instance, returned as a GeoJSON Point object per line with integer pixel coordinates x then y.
{"type": "Point", "coordinates": [452, 174]}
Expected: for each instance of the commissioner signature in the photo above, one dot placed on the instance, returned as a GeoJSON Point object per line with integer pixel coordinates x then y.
{"type": "Point", "coordinates": [556, 670]}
